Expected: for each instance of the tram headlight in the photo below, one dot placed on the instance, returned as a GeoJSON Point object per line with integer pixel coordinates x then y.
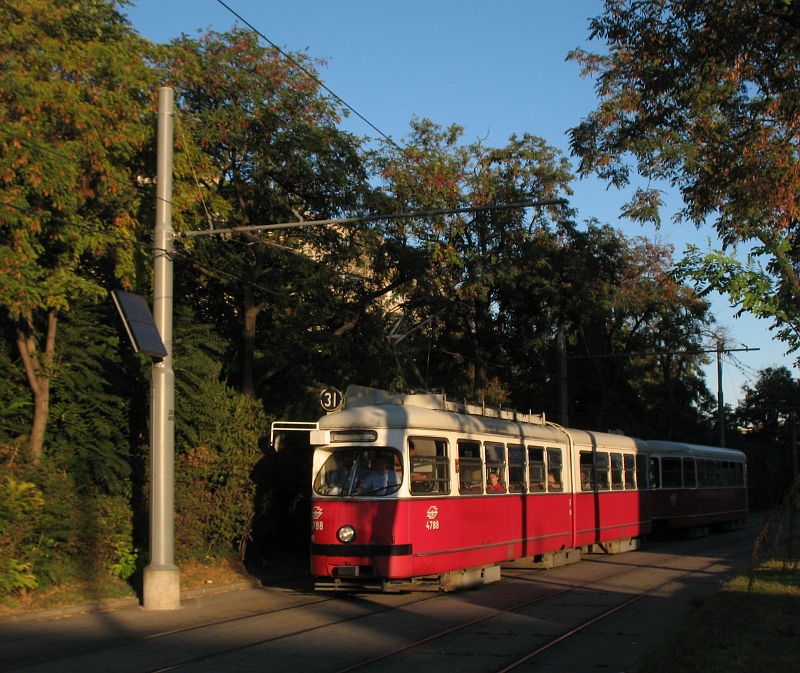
{"type": "Point", "coordinates": [346, 534]}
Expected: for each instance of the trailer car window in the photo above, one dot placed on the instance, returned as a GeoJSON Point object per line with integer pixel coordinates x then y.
{"type": "Point", "coordinates": [641, 471]}
{"type": "Point", "coordinates": [689, 479]}
{"type": "Point", "coordinates": [655, 473]}
{"type": "Point", "coordinates": [702, 473]}
{"type": "Point", "coordinates": [671, 473]}
{"type": "Point", "coordinates": [630, 471]}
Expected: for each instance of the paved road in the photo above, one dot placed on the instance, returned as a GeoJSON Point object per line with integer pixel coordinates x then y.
{"type": "Point", "coordinates": [605, 612]}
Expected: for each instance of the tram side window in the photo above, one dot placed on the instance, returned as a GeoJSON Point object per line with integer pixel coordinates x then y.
{"type": "Point", "coordinates": [702, 473]}
{"type": "Point", "coordinates": [602, 471]}
{"type": "Point", "coordinates": [655, 473]}
{"type": "Point", "coordinates": [641, 471]}
{"type": "Point", "coordinates": [689, 479]}
{"type": "Point", "coordinates": [630, 471]}
{"type": "Point", "coordinates": [617, 483]}
{"type": "Point", "coordinates": [536, 467]}
{"type": "Point", "coordinates": [495, 467]}
{"type": "Point", "coordinates": [516, 468]}
{"type": "Point", "coordinates": [740, 480]}
{"type": "Point", "coordinates": [587, 471]}
{"type": "Point", "coordinates": [429, 465]}
{"type": "Point", "coordinates": [470, 466]}
{"type": "Point", "coordinates": [671, 473]}
{"type": "Point", "coordinates": [555, 481]}
{"type": "Point", "coordinates": [717, 473]}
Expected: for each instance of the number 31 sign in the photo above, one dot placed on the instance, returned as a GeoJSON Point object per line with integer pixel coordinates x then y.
{"type": "Point", "coordinates": [330, 399]}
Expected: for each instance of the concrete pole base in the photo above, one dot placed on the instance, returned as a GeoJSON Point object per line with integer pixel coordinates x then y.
{"type": "Point", "coordinates": [162, 588]}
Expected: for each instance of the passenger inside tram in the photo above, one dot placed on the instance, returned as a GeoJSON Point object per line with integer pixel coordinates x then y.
{"type": "Point", "coordinates": [495, 485]}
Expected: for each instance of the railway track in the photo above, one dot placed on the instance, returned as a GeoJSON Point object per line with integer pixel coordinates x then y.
{"type": "Point", "coordinates": [531, 617]}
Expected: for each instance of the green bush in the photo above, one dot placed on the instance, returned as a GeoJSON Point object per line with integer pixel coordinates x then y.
{"type": "Point", "coordinates": [18, 501]}
{"type": "Point", "coordinates": [218, 432]}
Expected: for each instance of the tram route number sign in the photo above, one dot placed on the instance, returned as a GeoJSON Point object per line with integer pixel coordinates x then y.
{"type": "Point", "coordinates": [331, 399]}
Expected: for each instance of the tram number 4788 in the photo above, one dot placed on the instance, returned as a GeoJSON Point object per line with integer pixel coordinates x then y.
{"type": "Point", "coordinates": [432, 525]}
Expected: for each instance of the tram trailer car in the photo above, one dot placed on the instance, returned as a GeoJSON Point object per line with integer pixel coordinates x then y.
{"type": "Point", "coordinates": [697, 488]}
{"type": "Point", "coordinates": [416, 492]}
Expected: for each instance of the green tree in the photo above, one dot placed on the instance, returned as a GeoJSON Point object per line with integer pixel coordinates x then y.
{"type": "Point", "coordinates": [469, 255]}
{"type": "Point", "coordinates": [765, 416]}
{"type": "Point", "coordinates": [269, 151]}
{"type": "Point", "coordinates": [616, 300]}
{"type": "Point", "coordinates": [704, 95]}
{"type": "Point", "coordinates": [75, 109]}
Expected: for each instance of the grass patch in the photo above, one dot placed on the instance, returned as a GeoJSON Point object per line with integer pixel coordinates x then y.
{"type": "Point", "coordinates": [65, 596]}
{"type": "Point", "coordinates": [751, 630]}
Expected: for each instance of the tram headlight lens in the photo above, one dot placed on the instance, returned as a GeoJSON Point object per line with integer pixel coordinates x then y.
{"type": "Point", "coordinates": [346, 534]}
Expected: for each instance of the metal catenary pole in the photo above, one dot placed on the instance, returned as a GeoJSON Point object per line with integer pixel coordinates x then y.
{"type": "Point", "coordinates": [161, 590]}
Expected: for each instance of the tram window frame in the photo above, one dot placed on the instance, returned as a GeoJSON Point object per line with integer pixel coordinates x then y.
{"type": "Point", "coordinates": [629, 467]}
{"type": "Point", "coordinates": [642, 463]}
{"type": "Point", "coordinates": [617, 472]}
{"type": "Point", "coordinates": [429, 466]}
{"type": "Point", "coordinates": [602, 470]}
{"type": "Point", "coordinates": [654, 472]}
{"type": "Point", "coordinates": [517, 482]}
{"type": "Point", "coordinates": [495, 459]}
{"type": "Point", "coordinates": [671, 472]}
{"type": "Point", "coordinates": [361, 463]}
{"type": "Point", "coordinates": [587, 469]}
{"type": "Point", "coordinates": [537, 469]}
{"type": "Point", "coordinates": [689, 473]}
{"type": "Point", "coordinates": [555, 468]}
{"type": "Point", "coordinates": [469, 467]}
{"type": "Point", "coordinates": [702, 473]}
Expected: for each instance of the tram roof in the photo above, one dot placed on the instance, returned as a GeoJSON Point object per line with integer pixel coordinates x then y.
{"type": "Point", "coordinates": [373, 408]}
{"type": "Point", "coordinates": [697, 450]}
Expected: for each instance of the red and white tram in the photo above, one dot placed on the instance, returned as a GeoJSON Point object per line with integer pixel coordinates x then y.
{"type": "Point", "coordinates": [413, 491]}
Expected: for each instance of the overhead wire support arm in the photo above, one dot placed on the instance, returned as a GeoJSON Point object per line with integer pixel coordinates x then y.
{"type": "Point", "coordinates": [372, 218]}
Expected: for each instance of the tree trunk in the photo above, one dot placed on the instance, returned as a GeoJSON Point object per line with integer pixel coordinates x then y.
{"type": "Point", "coordinates": [251, 311]}
{"type": "Point", "coordinates": [38, 369]}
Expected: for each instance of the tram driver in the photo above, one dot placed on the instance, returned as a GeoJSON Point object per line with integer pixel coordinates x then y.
{"type": "Point", "coordinates": [381, 481]}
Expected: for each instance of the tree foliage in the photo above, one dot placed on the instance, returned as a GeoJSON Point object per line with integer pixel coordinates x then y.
{"type": "Point", "coordinates": [271, 153]}
{"type": "Point", "coordinates": [768, 415]}
{"type": "Point", "coordinates": [471, 255]}
{"type": "Point", "coordinates": [705, 96]}
{"type": "Point", "coordinates": [74, 103]}
{"type": "Point", "coordinates": [264, 320]}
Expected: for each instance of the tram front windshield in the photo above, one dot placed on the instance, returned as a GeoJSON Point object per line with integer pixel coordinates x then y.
{"type": "Point", "coordinates": [359, 472]}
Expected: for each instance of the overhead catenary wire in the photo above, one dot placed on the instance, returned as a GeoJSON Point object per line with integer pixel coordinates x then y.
{"type": "Point", "coordinates": [309, 74]}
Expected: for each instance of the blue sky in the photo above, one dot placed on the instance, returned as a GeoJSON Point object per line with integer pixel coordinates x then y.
{"type": "Point", "coordinates": [496, 68]}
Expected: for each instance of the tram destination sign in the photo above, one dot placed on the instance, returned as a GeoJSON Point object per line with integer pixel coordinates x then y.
{"type": "Point", "coordinates": [330, 399]}
{"type": "Point", "coordinates": [139, 323]}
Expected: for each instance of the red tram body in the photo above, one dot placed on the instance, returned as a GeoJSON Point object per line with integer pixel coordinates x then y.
{"type": "Point", "coordinates": [413, 491]}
